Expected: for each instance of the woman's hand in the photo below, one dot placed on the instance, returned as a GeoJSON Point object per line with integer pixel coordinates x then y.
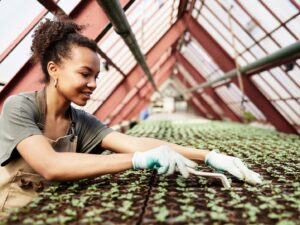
{"type": "Point", "coordinates": [232, 165]}
{"type": "Point", "coordinates": [164, 159]}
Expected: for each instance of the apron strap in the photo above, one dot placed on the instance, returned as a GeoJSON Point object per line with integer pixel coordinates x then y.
{"type": "Point", "coordinates": [40, 97]}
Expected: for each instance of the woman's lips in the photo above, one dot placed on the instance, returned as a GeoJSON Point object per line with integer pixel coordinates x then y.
{"type": "Point", "coordinates": [86, 95]}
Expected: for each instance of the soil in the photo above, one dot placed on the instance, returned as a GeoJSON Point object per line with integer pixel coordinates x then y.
{"type": "Point", "coordinates": [142, 197]}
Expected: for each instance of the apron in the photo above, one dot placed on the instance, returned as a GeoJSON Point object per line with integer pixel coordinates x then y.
{"type": "Point", "coordinates": [19, 183]}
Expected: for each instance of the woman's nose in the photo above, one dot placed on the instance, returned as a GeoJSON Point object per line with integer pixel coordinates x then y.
{"type": "Point", "coordinates": [92, 83]}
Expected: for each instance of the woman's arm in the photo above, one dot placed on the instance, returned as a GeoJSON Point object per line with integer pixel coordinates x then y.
{"type": "Point", "coordinates": [39, 154]}
{"type": "Point", "coordinates": [123, 143]}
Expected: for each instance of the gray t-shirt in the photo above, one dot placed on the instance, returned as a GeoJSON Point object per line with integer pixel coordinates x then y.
{"type": "Point", "coordinates": [19, 119]}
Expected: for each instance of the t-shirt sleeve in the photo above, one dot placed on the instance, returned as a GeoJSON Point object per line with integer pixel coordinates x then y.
{"type": "Point", "coordinates": [91, 133]}
{"type": "Point", "coordinates": [16, 123]}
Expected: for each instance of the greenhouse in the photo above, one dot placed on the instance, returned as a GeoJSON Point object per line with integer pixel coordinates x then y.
{"type": "Point", "coordinates": [150, 112]}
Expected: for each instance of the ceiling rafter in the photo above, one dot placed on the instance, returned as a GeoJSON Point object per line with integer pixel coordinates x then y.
{"type": "Point", "coordinates": [199, 78]}
{"type": "Point", "coordinates": [226, 63]}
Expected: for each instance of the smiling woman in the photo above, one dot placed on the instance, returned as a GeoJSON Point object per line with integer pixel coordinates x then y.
{"type": "Point", "coordinates": [44, 138]}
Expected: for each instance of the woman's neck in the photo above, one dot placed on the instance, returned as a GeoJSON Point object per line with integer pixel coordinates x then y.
{"type": "Point", "coordinates": [57, 106]}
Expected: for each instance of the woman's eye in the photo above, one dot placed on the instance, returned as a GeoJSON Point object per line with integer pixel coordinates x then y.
{"type": "Point", "coordinates": [85, 74]}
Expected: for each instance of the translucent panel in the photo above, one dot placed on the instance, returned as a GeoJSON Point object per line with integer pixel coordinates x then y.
{"type": "Point", "coordinates": [264, 87]}
{"type": "Point", "coordinates": [154, 23]}
{"type": "Point", "coordinates": [197, 4]}
{"type": "Point", "coordinates": [294, 25]}
{"type": "Point", "coordinates": [196, 64]}
{"type": "Point", "coordinates": [282, 8]}
{"type": "Point", "coordinates": [241, 61]}
{"type": "Point", "coordinates": [286, 82]}
{"type": "Point", "coordinates": [224, 17]}
{"type": "Point", "coordinates": [246, 21]}
{"type": "Point", "coordinates": [186, 75]}
{"type": "Point", "coordinates": [220, 27]}
{"type": "Point", "coordinates": [130, 63]}
{"type": "Point", "coordinates": [15, 16]}
{"type": "Point", "coordinates": [282, 111]}
{"type": "Point", "coordinates": [295, 106]}
{"type": "Point", "coordinates": [262, 15]}
{"type": "Point", "coordinates": [258, 52]}
{"type": "Point", "coordinates": [155, 36]}
{"type": "Point", "coordinates": [227, 95]}
{"type": "Point", "coordinates": [236, 92]}
{"type": "Point", "coordinates": [283, 37]}
{"type": "Point", "coordinates": [236, 95]}
{"type": "Point", "coordinates": [229, 99]}
{"type": "Point", "coordinates": [255, 111]}
{"type": "Point", "coordinates": [213, 104]}
{"type": "Point", "coordinates": [275, 85]}
{"type": "Point", "coordinates": [248, 57]}
{"type": "Point", "coordinates": [68, 5]}
{"type": "Point", "coordinates": [10, 66]}
{"type": "Point", "coordinates": [194, 13]}
{"type": "Point", "coordinates": [216, 36]}
{"type": "Point", "coordinates": [287, 111]}
{"type": "Point", "coordinates": [137, 9]}
{"type": "Point", "coordinates": [236, 11]}
{"type": "Point", "coordinates": [269, 45]}
{"type": "Point", "coordinates": [294, 74]}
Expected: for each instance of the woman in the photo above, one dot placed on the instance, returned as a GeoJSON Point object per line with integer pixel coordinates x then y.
{"type": "Point", "coordinates": [44, 138]}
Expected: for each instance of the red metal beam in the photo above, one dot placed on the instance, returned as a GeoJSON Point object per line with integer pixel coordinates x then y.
{"type": "Point", "coordinates": [209, 109]}
{"type": "Point", "coordinates": [52, 7]}
{"type": "Point", "coordinates": [136, 73]}
{"type": "Point", "coordinates": [192, 102]}
{"type": "Point", "coordinates": [226, 63]}
{"type": "Point", "coordinates": [23, 34]}
{"type": "Point", "coordinates": [166, 68]}
{"type": "Point", "coordinates": [147, 90]}
{"type": "Point", "coordinates": [29, 77]}
{"type": "Point", "coordinates": [135, 113]}
{"type": "Point", "coordinates": [199, 78]}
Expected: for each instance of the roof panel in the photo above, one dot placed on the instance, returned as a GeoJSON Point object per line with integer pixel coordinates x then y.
{"type": "Point", "coordinates": [294, 25]}
{"type": "Point", "coordinates": [282, 8]}
{"type": "Point", "coordinates": [13, 24]}
{"type": "Point", "coordinates": [283, 37]}
{"type": "Point", "coordinates": [68, 5]}
{"type": "Point", "coordinates": [260, 13]}
{"type": "Point", "coordinates": [10, 66]}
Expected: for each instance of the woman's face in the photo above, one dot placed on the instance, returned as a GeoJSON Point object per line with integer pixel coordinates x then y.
{"type": "Point", "coordinates": [77, 75]}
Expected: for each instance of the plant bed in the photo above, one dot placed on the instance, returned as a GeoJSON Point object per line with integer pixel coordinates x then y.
{"type": "Point", "coordinates": [144, 197]}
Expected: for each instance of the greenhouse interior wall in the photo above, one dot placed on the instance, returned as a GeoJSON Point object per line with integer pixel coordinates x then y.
{"type": "Point", "coordinates": [205, 74]}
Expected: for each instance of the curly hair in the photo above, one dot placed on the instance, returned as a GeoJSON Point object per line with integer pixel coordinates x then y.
{"type": "Point", "coordinates": [53, 39]}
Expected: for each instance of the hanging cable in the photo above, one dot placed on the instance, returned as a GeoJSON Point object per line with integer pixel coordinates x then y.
{"type": "Point", "coordinates": [237, 66]}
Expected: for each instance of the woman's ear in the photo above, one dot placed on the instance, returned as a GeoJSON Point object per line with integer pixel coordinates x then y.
{"type": "Point", "coordinates": [52, 68]}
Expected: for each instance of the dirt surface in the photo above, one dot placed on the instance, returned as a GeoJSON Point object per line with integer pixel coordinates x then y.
{"type": "Point", "coordinates": [143, 197]}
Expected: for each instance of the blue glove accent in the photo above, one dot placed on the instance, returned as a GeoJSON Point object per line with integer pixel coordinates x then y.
{"type": "Point", "coordinates": [164, 159]}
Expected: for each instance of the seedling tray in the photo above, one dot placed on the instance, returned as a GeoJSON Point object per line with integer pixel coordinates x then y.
{"type": "Point", "coordinates": [144, 197]}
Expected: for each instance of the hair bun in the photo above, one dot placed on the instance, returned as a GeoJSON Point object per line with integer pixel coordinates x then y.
{"type": "Point", "coordinates": [50, 32]}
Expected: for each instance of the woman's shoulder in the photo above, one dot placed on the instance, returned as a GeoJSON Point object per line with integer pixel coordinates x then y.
{"type": "Point", "coordinates": [20, 100]}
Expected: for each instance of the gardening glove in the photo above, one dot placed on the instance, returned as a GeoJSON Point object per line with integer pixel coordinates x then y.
{"type": "Point", "coordinates": [232, 165]}
{"type": "Point", "coordinates": [164, 159]}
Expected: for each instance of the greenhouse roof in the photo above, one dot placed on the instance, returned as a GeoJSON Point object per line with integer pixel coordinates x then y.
{"type": "Point", "coordinates": [188, 41]}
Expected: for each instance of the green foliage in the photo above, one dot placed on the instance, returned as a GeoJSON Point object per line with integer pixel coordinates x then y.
{"type": "Point", "coordinates": [122, 198]}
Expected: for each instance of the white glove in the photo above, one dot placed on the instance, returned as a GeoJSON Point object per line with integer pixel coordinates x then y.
{"type": "Point", "coordinates": [164, 159]}
{"type": "Point", "coordinates": [232, 165]}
